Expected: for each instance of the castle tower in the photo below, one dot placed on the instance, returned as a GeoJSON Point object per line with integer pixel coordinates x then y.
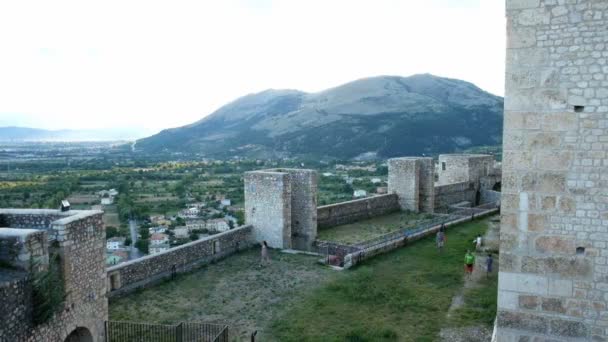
{"type": "Point", "coordinates": [281, 204]}
{"type": "Point", "coordinates": [413, 180]}
{"type": "Point", "coordinates": [553, 279]}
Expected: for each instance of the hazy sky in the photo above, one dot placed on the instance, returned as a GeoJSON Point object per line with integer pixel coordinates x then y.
{"type": "Point", "coordinates": [160, 64]}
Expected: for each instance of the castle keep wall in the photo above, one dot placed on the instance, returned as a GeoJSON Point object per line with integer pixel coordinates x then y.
{"type": "Point", "coordinates": [78, 237]}
{"type": "Point", "coordinates": [150, 269]}
{"type": "Point", "coordinates": [553, 275]}
{"type": "Point", "coordinates": [352, 211]}
{"type": "Point", "coordinates": [268, 207]}
{"type": "Point", "coordinates": [303, 207]}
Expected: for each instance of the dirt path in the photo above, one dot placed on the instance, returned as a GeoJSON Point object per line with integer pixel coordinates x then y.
{"type": "Point", "coordinates": [491, 241]}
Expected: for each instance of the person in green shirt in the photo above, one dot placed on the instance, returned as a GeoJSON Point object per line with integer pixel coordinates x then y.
{"type": "Point", "coordinates": [469, 262]}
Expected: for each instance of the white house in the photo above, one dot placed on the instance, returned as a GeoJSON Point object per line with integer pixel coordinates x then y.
{"type": "Point", "coordinates": [359, 194]}
{"type": "Point", "coordinates": [225, 202]}
{"type": "Point", "coordinates": [157, 230]}
{"type": "Point", "coordinates": [189, 213]}
{"type": "Point", "coordinates": [115, 243]}
{"type": "Point", "coordinates": [181, 232]}
{"type": "Point", "coordinates": [107, 200]}
{"type": "Point", "coordinates": [376, 180]}
{"type": "Point", "coordinates": [159, 239]}
{"type": "Point", "coordinates": [159, 248]}
{"type": "Point", "coordinates": [218, 225]}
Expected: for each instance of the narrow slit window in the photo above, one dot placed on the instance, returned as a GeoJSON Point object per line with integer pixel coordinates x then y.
{"type": "Point", "coordinates": [443, 166]}
{"type": "Point", "coordinates": [579, 109]}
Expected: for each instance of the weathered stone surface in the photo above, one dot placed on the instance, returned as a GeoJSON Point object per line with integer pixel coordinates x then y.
{"type": "Point", "coordinates": [352, 211]}
{"type": "Point", "coordinates": [553, 305]}
{"type": "Point", "coordinates": [523, 321]}
{"type": "Point", "coordinates": [150, 269]}
{"type": "Point", "coordinates": [565, 328]}
{"type": "Point", "coordinates": [79, 237]}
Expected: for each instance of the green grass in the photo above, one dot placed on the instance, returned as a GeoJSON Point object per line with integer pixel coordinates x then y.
{"type": "Point", "coordinates": [400, 296]}
{"type": "Point", "coordinates": [403, 295]}
{"type": "Point", "coordinates": [369, 229]}
{"type": "Point", "coordinates": [479, 304]}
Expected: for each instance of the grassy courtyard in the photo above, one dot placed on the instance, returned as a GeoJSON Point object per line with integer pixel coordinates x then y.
{"type": "Point", "coordinates": [400, 296]}
{"type": "Point", "coordinates": [369, 229]}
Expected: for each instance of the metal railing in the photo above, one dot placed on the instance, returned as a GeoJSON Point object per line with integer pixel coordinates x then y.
{"type": "Point", "coordinates": [182, 332]}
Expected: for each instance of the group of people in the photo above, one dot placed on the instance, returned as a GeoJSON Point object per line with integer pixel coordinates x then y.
{"type": "Point", "coordinates": [469, 257]}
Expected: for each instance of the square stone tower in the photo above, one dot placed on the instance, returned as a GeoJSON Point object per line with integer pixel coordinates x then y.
{"type": "Point", "coordinates": [553, 280]}
{"type": "Point", "coordinates": [413, 180]}
{"type": "Point", "coordinates": [281, 204]}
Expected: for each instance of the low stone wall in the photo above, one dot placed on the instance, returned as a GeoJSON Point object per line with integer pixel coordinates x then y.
{"type": "Point", "coordinates": [352, 211]}
{"type": "Point", "coordinates": [490, 196]}
{"type": "Point", "coordinates": [357, 257]}
{"type": "Point", "coordinates": [448, 194]}
{"type": "Point", "coordinates": [150, 269]}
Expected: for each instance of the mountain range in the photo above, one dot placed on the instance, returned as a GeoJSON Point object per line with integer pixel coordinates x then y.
{"type": "Point", "coordinates": [382, 116]}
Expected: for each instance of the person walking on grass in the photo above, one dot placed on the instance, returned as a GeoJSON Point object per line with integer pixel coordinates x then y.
{"type": "Point", "coordinates": [477, 243]}
{"type": "Point", "coordinates": [265, 255]}
{"type": "Point", "coordinates": [440, 239]}
{"type": "Point", "coordinates": [489, 262]}
{"type": "Point", "coordinates": [469, 262]}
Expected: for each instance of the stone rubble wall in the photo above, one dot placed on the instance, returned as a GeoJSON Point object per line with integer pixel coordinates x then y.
{"type": "Point", "coordinates": [22, 248]}
{"type": "Point", "coordinates": [449, 194]}
{"type": "Point", "coordinates": [150, 269]}
{"type": "Point", "coordinates": [16, 308]}
{"type": "Point", "coordinates": [79, 240]}
{"type": "Point", "coordinates": [352, 211]}
{"type": "Point", "coordinates": [553, 279]}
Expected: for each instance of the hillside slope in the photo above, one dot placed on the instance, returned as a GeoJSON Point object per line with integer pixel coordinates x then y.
{"type": "Point", "coordinates": [380, 116]}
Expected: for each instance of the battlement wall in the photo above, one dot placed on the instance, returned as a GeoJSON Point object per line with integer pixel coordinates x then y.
{"type": "Point", "coordinates": [150, 269]}
{"type": "Point", "coordinates": [352, 211]}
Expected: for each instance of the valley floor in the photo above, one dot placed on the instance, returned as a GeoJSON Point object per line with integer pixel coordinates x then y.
{"type": "Point", "coordinates": [404, 295]}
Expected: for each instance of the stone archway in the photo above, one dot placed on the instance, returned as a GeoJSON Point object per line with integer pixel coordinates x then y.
{"type": "Point", "coordinates": [79, 334]}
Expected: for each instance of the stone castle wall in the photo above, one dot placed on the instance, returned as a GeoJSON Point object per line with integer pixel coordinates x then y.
{"type": "Point", "coordinates": [412, 180]}
{"type": "Point", "coordinates": [553, 279]}
{"type": "Point", "coordinates": [281, 205]}
{"type": "Point", "coordinates": [78, 237]}
{"type": "Point", "coordinates": [449, 194]}
{"type": "Point", "coordinates": [303, 207]}
{"type": "Point", "coordinates": [150, 269]}
{"type": "Point", "coordinates": [352, 211]}
{"type": "Point", "coordinates": [268, 207]}
{"type": "Point", "coordinates": [16, 308]}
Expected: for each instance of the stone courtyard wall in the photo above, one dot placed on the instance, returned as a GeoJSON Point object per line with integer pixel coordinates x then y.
{"type": "Point", "coordinates": [150, 269]}
{"type": "Point", "coordinates": [553, 279]}
{"type": "Point", "coordinates": [449, 194]}
{"type": "Point", "coordinates": [352, 211]}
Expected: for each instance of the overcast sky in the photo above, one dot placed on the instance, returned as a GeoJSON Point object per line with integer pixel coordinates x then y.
{"type": "Point", "coordinates": [160, 64]}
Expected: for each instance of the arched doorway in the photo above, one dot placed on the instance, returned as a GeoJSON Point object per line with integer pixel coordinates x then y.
{"type": "Point", "coordinates": [79, 334]}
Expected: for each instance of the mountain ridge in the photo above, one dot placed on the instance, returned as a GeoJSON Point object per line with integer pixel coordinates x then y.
{"type": "Point", "coordinates": [371, 113]}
